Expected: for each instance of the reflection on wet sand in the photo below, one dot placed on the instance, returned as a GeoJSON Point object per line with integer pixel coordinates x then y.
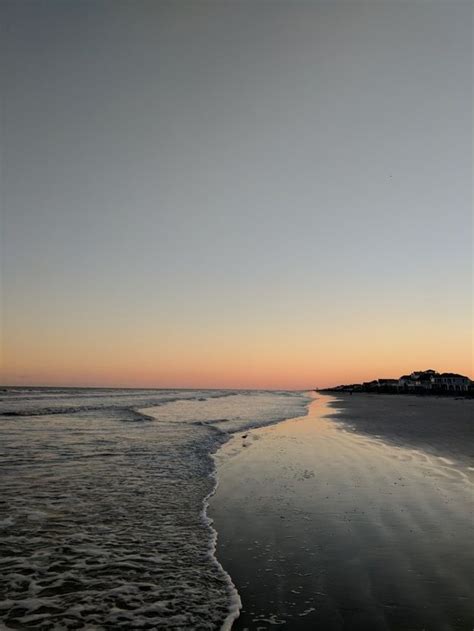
{"type": "Point", "coordinates": [323, 527]}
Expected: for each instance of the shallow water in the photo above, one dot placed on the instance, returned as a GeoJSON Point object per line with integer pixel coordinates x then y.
{"type": "Point", "coordinates": [101, 505]}
{"type": "Point", "coordinates": [321, 527]}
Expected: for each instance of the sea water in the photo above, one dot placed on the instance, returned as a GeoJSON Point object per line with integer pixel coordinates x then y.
{"type": "Point", "coordinates": [102, 505]}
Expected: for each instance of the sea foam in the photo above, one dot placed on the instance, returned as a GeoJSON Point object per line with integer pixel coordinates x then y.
{"type": "Point", "coordinates": [103, 518]}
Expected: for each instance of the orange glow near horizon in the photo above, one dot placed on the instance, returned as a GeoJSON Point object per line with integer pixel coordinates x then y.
{"type": "Point", "coordinates": [272, 360]}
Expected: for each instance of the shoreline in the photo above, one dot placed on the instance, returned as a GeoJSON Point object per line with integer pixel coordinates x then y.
{"type": "Point", "coordinates": [235, 602]}
{"type": "Point", "coordinates": [319, 523]}
{"type": "Point", "coordinates": [223, 437]}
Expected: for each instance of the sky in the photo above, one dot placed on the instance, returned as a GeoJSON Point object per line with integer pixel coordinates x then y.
{"type": "Point", "coordinates": [262, 194]}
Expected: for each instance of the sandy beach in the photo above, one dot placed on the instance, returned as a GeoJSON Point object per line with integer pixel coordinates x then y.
{"type": "Point", "coordinates": [356, 516]}
{"type": "Point", "coordinates": [439, 426]}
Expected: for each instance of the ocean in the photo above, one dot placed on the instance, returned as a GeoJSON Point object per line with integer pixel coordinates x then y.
{"type": "Point", "coordinates": [103, 497]}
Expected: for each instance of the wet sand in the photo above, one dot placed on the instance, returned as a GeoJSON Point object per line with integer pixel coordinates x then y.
{"type": "Point", "coordinates": [441, 426]}
{"type": "Point", "coordinates": [333, 522]}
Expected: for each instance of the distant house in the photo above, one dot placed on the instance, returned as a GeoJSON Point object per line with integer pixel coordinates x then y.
{"type": "Point", "coordinates": [423, 373]}
{"type": "Point", "coordinates": [370, 385]}
{"type": "Point", "coordinates": [380, 385]}
{"type": "Point", "coordinates": [418, 380]}
{"type": "Point", "coordinates": [387, 383]}
{"type": "Point", "coordinates": [424, 379]}
{"type": "Point", "coordinates": [450, 381]}
{"type": "Point", "coordinates": [406, 382]}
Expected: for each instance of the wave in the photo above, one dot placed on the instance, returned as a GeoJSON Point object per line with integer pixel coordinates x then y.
{"type": "Point", "coordinates": [103, 519]}
{"type": "Point", "coordinates": [109, 400]}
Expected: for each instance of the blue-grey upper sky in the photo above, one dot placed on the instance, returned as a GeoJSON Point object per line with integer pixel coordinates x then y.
{"type": "Point", "coordinates": [198, 189]}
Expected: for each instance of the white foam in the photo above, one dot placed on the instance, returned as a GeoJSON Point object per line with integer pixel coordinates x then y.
{"type": "Point", "coordinates": [235, 603]}
{"type": "Point", "coordinates": [107, 520]}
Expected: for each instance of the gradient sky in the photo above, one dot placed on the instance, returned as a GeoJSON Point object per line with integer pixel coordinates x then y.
{"type": "Point", "coordinates": [235, 194]}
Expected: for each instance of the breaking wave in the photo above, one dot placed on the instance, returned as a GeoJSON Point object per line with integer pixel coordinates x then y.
{"type": "Point", "coordinates": [103, 507]}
